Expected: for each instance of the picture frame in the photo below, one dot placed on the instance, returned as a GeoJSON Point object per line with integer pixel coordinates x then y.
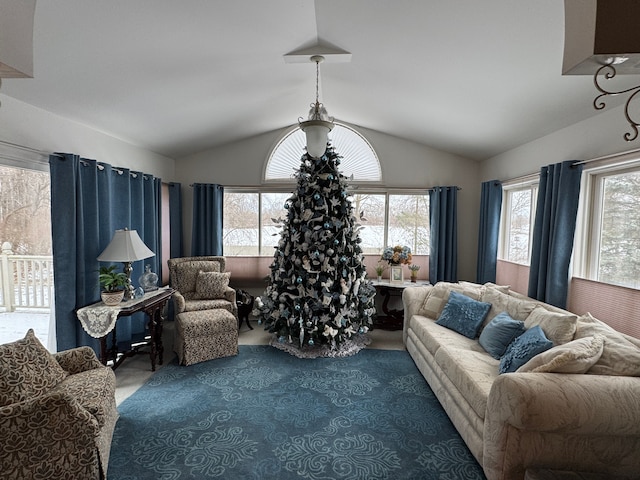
{"type": "Point", "coordinates": [395, 275]}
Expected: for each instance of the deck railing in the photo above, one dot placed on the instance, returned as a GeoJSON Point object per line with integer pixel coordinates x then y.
{"type": "Point", "coordinates": [26, 281]}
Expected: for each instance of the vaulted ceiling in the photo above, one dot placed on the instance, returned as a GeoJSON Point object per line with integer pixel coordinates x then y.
{"type": "Point", "coordinates": [470, 77]}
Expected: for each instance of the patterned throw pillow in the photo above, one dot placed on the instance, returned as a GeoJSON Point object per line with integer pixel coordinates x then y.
{"type": "Point", "coordinates": [438, 296]}
{"type": "Point", "coordinates": [499, 333]}
{"type": "Point", "coordinates": [187, 273]}
{"type": "Point", "coordinates": [463, 314]}
{"type": "Point", "coordinates": [524, 348]}
{"type": "Point", "coordinates": [211, 285]}
{"type": "Point", "coordinates": [558, 327]}
{"type": "Point", "coordinates": [27, 370]}
{"type": "Point", "coordinates": [577, 356]}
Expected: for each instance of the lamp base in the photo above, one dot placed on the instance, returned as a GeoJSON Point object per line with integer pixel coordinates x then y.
{"type": "Point", "coordinates": [129, 291]}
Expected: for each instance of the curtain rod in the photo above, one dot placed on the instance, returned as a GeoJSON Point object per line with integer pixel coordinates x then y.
{"type": "Point", "coordinates": [29, 149]}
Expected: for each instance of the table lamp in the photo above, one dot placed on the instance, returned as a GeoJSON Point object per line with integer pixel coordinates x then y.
{"type": "Point", "coordinates": [126, 246]}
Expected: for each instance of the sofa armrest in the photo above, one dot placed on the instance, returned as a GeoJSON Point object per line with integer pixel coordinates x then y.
{"type": "Point", "coordinates": [178, 302]}
{"type": "Point", "coordinates": [412, 300]}
{"type": "Point", "coordinates": [562, 421]}
{"type": "Point", "coordinates": [78, 360]}
{"type": "Point", "coordinates": [39, 425]}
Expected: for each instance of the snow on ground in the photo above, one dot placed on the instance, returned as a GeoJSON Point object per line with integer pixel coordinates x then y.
{"type": "Point", "coordinates": [14, 325]}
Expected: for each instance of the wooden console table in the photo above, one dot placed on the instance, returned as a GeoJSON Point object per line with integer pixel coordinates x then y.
{"type": "Point", "coordinates": [392, 319]}
{"type": "Point", "coordinates": [98, 320]}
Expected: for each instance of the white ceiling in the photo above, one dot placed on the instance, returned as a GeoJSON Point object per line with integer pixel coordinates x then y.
{"type": "Point", "coordinates": [177, 77]}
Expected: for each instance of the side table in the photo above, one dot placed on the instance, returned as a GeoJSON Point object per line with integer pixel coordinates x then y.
{"type": "Point", "coordinates": [392, 319]}
{"type": "Point", "coordinates": [98, 320]}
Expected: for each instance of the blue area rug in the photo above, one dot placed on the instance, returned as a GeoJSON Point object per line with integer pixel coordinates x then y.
{"type": "Point", "coordinates": [265, 414]}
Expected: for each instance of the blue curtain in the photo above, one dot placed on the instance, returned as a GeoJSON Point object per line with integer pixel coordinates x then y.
{"type": "Point", "coordinates": [553, 233]}
{"type": "Point", "coordinates": [89, 201]}
{"type": "Point", "coordinates": [206, 237]}
{"type": "Point", "coordinates": [489, 228]}
{"type": "Point", "coordinates": [443, 254]}
{"type": "Point", "coordinates": [175, 220]}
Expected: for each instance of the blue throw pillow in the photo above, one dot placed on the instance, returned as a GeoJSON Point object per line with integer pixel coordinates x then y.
{"type": "Point", "coordinates": [463, 314]}
{"type": "Point", "coordinates": [499, 333]}
{"type": "Point", "coordinates": [524, 348]}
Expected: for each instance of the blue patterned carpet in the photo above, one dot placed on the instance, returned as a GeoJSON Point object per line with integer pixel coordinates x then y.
{"type": "Point", "coordinates": [268, 415]}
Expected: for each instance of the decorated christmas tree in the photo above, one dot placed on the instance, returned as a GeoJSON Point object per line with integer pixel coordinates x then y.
{"type": "Point", "coordinates": [318, 292]}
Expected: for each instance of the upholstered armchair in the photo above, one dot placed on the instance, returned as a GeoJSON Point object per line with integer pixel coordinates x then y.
{"type": "Point", "coordinates": [201, 283]}
{"type": "Point", "coordinates": [57, 412]}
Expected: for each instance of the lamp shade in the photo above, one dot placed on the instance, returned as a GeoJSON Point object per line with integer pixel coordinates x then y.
{"type": "Point", "coordinates": [125, 246]}
{"type": "Point", "coordinates": [316, 132]}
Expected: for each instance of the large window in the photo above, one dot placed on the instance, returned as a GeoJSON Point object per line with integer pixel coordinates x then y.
{"type": "Point", "coordinates": [251, 221]}
{"type": "Point", "coordinates": [518, 216]}
{"type": "Point", "coordinates": [614, 253]}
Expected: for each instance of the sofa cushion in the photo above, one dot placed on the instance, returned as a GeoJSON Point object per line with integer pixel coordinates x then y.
{"type": "Point", "coordinates": [472, 371]}
{"type": "Point", "coordinates": [517, 308]}
{"type": "Point", "coordinates": [620, 355]}
{"type": "Point", "coordinates": [558, 327]}
{"type": "Point", "coordinates": [210, 285]}
{"type": "Point", "coordinates": [433, 336]}
{"type": "Point", "coordinates": [438, 296]}
{"type": "Point", "coordinates": [499, 333]}
{"type": "Point", "coordinates": [27, 370]}
{"type": "Point", "coordinates": [576, 356]}
{"type": "Point", "coordinates": [524, 348]}
{"type": "Point", "coordinates": [463, 314]}
{"type": "Point", "coordinates": [187, 273]}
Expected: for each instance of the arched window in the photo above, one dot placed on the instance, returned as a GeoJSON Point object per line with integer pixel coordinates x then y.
{"type": "Point", "coordinates": [358, 157]}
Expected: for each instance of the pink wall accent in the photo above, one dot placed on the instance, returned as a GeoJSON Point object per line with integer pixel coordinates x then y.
{"type": "Point", "coordinates": [513, 274]}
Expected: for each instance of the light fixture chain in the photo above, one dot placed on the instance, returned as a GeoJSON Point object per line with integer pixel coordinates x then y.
{"type": "Point", "coordinates": [599, 103]}
{"type": "Point", "coordinates": [317, 81]}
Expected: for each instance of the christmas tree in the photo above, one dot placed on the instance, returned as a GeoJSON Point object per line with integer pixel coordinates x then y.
{"type": "Point", "coordinates": [318, 292]}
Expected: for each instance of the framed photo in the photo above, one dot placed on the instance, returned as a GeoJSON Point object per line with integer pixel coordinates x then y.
{"type": "Point", "coordinates": [395, 275]}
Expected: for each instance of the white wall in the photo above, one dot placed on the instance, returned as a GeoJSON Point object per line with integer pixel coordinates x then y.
{"type": "Point", "coordinates": [31, 127]}
{"type": "Point", "coordinates": [404, 164]}
{"type": "Point", "coordinates": [595, 137]}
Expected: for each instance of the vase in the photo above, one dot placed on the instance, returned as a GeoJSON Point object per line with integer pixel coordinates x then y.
{"type": "Point", "coordinates": [112, 298]}
{"type": "Point", "coordinates": [148, 280]}
{"type": "Point", "coordinates": [414, 278]}
{"type": "Point", "coordinates": [379, 278]}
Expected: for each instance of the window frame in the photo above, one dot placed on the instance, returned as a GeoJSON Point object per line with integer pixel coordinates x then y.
{"type": "Point", "coordinates": [530, 182]}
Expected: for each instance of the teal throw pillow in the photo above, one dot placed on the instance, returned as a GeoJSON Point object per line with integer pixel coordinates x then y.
{"type": "Point", "coordinates": [499, 333]}
{"type": "Point", "coordinates": [463, 314]}
{"type": "Point", "coordinates": [524, 348]}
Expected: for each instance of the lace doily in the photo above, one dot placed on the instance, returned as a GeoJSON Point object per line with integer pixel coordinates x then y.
{"type": "Point", "coordinates": [98, 321]}
{"type": "Point", "coordinates": [347, 348]}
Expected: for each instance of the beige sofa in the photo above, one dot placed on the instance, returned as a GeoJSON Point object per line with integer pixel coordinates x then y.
{"type": "Point", "coordinates": [57, 412]}
{"type": "Point", "coordinates": [512, 422]}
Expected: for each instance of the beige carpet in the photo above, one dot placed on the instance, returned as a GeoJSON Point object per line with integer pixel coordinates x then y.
{"type": "Point", "coordinates": [135, 371]}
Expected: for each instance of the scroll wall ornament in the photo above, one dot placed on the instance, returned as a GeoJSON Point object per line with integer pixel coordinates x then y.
{"type": "Point", "coordinates": [608, 72]}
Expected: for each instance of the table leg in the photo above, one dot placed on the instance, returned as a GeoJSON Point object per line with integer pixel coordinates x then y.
{"type": "Point", "coordinates": [103, 349]}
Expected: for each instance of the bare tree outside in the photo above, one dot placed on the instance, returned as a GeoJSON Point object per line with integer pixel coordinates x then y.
{"type": "Point", "coordinates": [409, 222]}
{"type": "Point", "coordinates": [519, 225]}
{"type": "Point", "coordinates": [620, 230]}
{"type": "Point", "coordinates": [25, 210]}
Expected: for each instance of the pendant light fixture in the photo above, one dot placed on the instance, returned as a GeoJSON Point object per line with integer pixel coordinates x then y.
{"type": "Point", "coordinates": [319, 124]}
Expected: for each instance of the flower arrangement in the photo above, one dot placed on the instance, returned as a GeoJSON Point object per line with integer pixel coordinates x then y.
{"type": "Point", "coordinates": [397, 255]}
{"type": "Point", "coordinates": [380, 268]}
{"type": "Point", "coordinates": [414, 269]}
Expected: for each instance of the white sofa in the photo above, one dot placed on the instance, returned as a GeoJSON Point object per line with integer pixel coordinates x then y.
{"type": "Point", "coordinates": [512, 422]}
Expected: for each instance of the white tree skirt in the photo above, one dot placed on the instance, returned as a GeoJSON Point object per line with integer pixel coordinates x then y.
{"type": "Point", "coordinates": [345, 349]}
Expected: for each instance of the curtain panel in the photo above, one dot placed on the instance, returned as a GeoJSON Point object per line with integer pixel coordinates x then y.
{"type": "Point", "coordinates": [489, 229]}
{"type": "Point", "coordinates": [89, 201]}
{"type": "Point", "coordinates": [443, 252]}
{"type": "Point", "coordinates": [553, 232]}
{"type": "Point", "coordinates": [206, 236]}
{"type": "Point", "coordinates": [175, 220]}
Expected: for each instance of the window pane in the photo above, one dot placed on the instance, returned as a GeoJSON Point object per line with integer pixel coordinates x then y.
{"type": "Point", "coordinates": [240, 226]}
{"type": "Point", "coordinates": [620, 232]}
{"type": "Point", "coordinates": [519, 222]}
{"type": "Point", "coordinates": [372, 208]}
{"type": "Point", "coordinates": [272, 208]}
{"type": "Point", "coordinates": [409, 222]}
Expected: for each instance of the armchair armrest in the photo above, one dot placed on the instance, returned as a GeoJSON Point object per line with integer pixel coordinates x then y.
{"type": "Point", "coordinates": [78, 360]}
{"type": "Point", "coordinates": [562, 421]}
{"type": "Point", "coordinates": [55, 423]}
{"type": "Point", "coordinates": [230, 295]}
{"type": "Point", "coordinates": [178, 302]}
{"type": "Point", "coordinates": [412, 300]}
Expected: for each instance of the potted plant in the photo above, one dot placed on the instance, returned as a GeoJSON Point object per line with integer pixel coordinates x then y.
{"type": "Point", "coordinates": [414, 272]}
{"type": "Point", "coordinates": [113, 284]}
{"type": "Point", "coordinates": [380, 268]}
